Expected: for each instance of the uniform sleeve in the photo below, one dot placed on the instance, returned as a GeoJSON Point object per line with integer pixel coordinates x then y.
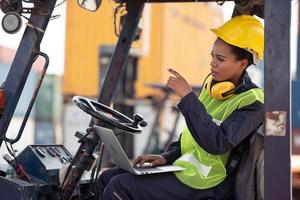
{"type": "Point", "coordinates": [172, 152]}
{"type": "Point", "coordinates": [214, 138]}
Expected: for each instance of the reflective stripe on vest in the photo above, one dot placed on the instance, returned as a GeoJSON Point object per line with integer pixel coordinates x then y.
{"type": "Point", "coordinates": [202, 169]}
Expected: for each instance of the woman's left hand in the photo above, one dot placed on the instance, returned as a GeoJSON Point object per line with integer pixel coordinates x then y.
{"type": "Point", "coordinates": [178, 84]}
{"type": "Point", "coordinates": [151, 159]}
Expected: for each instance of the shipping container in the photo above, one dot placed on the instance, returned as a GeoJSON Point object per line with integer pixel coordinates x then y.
{"type": "Point", "coordinates": [173, 35]}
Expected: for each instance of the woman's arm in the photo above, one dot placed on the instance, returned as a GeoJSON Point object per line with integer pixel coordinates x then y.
{"type": "Point", "coordinates": [172, 152]}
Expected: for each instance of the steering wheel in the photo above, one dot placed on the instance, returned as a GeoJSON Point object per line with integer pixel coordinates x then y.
{"type": "Point", "coordinates": [108, 115]}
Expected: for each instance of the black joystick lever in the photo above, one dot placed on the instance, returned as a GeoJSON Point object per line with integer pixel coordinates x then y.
{"type": "Point", "coordinates": [138, 120]}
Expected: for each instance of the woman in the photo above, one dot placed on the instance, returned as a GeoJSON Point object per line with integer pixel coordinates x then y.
{"type": "Point", "coordinates": [228, 110]}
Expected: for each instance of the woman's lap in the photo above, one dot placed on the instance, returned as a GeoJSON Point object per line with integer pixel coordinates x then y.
{"type": "Point", "coordinates": [119, 184]}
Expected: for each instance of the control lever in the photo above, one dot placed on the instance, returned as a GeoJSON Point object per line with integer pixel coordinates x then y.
{"type": "Point", "coordinates": [17, 167]}
{"type": "Point", "coordinates": [138, 120]}
{"type": "Point", "coordinates": [81, 135]}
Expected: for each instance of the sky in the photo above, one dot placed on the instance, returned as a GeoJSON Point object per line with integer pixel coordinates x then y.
{"type": "Point", "coordinates": [294, 37]}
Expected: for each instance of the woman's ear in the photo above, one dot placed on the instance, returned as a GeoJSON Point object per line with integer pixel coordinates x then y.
{"type": "Point", "coordinates": [244, 64]}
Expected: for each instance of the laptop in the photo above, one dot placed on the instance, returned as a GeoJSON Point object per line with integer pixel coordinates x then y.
{"type": "Point", "coordinates": [122, 161]}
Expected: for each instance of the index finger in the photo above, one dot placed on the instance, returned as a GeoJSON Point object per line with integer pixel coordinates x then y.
{"type": "Point", "coordinates": [172, 71]}
{"type": "Point", "coordinates": [137, 160]}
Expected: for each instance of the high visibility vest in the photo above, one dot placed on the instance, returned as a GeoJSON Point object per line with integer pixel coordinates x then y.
{"type": "Point", "coordinates": [202, 169]}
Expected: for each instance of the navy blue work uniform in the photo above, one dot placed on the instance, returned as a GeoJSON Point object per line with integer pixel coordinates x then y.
{"type": "Point", "coordinates": [117, 184]}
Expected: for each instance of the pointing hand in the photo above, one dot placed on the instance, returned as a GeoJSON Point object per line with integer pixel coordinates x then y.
{"type": "Point", "coordinates": [178, 84]}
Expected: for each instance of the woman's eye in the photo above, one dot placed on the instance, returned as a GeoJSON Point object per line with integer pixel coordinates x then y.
{"type": "Point", "coordinates": [220, 59]}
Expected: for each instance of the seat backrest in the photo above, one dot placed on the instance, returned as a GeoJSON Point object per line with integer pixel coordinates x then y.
{"type": "Point", "coordinates": [249, 175]}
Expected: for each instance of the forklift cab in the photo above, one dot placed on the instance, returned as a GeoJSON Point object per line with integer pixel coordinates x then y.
{"type": "Point", "coordinates": [33, 36]}
{"type": "Point", "coordinates": [249, 171]}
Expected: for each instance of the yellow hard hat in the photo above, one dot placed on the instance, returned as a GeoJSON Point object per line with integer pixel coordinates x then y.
{"type": "Point", "coordinates": [243, 31]}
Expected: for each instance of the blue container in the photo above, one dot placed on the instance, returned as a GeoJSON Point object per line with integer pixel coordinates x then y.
{"type": "Point", "coordinates": [296, 104]}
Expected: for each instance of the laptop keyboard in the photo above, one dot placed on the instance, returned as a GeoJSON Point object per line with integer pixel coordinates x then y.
{"type": "Point", "coordinates": [148, 169]}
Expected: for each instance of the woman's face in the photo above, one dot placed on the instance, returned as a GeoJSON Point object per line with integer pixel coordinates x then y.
{"type": "Point", "coordinates": [224, 65]}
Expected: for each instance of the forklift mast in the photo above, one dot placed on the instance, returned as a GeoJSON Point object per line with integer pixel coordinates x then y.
{"type": "Point", "coordinates": [25, 56]}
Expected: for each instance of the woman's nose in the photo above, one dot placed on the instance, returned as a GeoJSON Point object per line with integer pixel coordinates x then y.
{"type": "Point", "coordinates": [212, 63]}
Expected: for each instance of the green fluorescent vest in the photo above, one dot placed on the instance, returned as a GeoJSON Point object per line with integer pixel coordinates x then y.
{"type": "Point", "coordinates": [205, 170]}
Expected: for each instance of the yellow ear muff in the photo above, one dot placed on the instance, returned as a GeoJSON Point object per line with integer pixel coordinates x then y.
{"type": "Point", "coordinates": [222, 90]}
{"type": "Point", "coordinates": [209, 83]}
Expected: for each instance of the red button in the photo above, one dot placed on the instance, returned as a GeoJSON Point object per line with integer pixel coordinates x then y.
{"type": "Point", "coordinates": [2, 99]}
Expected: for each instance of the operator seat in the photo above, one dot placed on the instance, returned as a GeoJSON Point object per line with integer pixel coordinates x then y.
{"type": "Point", "coordinates": [249, 172]}
{"type": "Point", "coordinates": [249, 176]}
